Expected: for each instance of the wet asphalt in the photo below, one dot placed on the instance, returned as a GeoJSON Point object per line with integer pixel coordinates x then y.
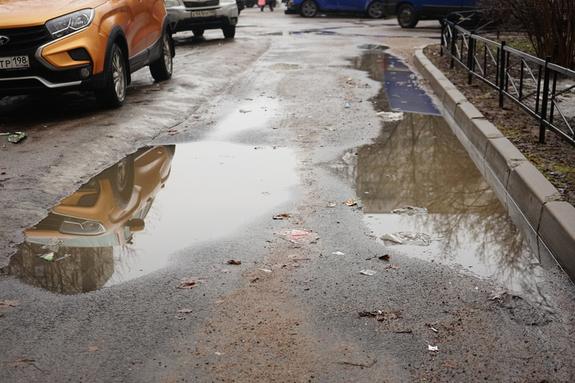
{"type": "Point", "coordinates": [295, 116]}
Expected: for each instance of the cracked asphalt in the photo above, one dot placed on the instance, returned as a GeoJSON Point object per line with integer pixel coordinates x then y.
{"type": "Point", "coordinates": [284, 119]}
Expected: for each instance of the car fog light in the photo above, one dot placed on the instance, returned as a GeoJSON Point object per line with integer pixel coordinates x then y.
{"type": "Point", "coordinates": [85, 72]}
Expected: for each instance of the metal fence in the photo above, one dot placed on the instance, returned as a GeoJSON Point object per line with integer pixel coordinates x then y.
{"type": "Point", "coordinates": [538, 86]}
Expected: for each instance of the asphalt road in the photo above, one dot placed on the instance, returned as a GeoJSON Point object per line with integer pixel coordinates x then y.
{"type": "Point", "coordinates": [284, 119]}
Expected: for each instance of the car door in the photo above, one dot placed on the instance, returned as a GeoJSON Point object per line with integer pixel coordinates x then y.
{"type": "Point", "coordinates": [136, 28]}
{"type": "Point", "coordinates": [352, 5]}
{"type": "Point", "coordinates": [328, 5]}
{"type": "Point", "coordinates": [439, 8]}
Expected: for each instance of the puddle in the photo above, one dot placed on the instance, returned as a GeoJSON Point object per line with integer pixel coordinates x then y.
{"type": "Point", "coordinates": [128, 220]}
{"type": "Point", "coordinates": [252, 114]}
{"type": "Point", "coordinates": [416, 181]}
{"type": "Point", "coordinates": [401, 91]}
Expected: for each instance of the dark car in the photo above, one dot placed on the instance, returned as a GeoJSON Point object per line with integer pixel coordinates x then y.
{"type": "Point", "coordinates": [409, 12]}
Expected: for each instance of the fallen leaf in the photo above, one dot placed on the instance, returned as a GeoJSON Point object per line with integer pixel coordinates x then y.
{"type": "Point", "coordinates": [185, 311]}
{"type": "Point", "coordinates": [189, 283]}
{"type": "Point", "coordinates": [351, 202]}
{"type": "Point", "coordinates": [8, 303]}
{"type": "Point", "coordinates": [234, 262]}
{"type": "Point", "coordinates": [281, 216]}
{"type": "Point", "coordinates": [384, 257]}
{"type": "Point", "coordinates": [391, 267]}
{"type": "Point", "coordinates": [92, 348]}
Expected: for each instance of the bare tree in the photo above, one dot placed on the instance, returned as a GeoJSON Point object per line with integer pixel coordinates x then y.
{"type": "Point", "coordinates": [549, 24]}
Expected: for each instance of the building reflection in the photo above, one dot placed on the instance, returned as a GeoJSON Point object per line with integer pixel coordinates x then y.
{"type": "Point", "coordinates": [72, 249]}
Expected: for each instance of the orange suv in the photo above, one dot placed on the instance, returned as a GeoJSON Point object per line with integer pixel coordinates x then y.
{"type": "Point", "coordinates": [82, 44]}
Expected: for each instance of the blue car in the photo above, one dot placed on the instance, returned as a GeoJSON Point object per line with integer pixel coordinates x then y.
{"type": "Point", "coordinates": [408, 12]}
{"type": "Point", "coordinates": [310, 8]}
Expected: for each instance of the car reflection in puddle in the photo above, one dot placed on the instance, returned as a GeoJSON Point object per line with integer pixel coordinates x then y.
{"type": "Point", "coordinates": [127, 221]}
{"type": "Point", "coordinates": [419, 162]}
{"type": "Point", "coordinates": [72, 249]}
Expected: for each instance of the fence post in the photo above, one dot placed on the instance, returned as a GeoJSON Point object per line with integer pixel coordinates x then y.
{"type": "Point", "coordinates": [453, 47]}
{"type": "Point", "coordinates": [544, 102]}
{"type": "Point", "coordinates": [502, 73]}
{"type": "Point", "coordinates": [443, 41]}
{"type": "Point", "coordinates": [470, 56]}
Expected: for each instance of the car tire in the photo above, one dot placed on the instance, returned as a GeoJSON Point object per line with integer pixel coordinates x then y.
{"type": "Point", "coordinates": [309, 8]}
{"type": "Point", "coordinates": [121, 178]}
{"type": "Point", "coordinates": [406, 16]}
{"type": "Point", "coordinates": [375, 10]}
{"type": "Point", "coordinates": [113, 92]}
{"type": "Point", "coordinates": [162, 68]}
{"type": "Point", "coordinates": [229, 31]}
{"type": "Point", "coordinates": [198, 32]}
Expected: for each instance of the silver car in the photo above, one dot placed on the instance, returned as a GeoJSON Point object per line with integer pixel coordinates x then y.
{"type": "Point", "coordinates": [199, 15]}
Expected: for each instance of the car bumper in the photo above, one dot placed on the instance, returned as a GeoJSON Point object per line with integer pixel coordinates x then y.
{"type": "Point", "coordinates": [222, 15]}
{"type": "Point", "coordinates": [63, 63]}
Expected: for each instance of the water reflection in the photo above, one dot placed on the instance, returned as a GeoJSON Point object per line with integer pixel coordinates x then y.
{"type": "Point", "coordinates": [419, 162]}
{"type": "Point", "coordinates": [72, 249]}
{"type": "Point", "coordinates": [128, 221]}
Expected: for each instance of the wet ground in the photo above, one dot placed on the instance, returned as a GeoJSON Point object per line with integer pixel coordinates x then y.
{"type": "Point", "coordinates": [303, 213]}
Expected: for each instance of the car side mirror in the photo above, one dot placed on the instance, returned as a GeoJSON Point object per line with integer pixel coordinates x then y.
{"type": "Point", "coordinates": [136, 224]}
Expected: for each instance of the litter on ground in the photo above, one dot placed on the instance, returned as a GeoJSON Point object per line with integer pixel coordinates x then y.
{"type": "Point", "coordinates": [409, 210]}
{"type": "Point", "coordinates": [391, 116]}
{"type": "Point", "coordinates": [369, 273]}
{"type": "Point", "coordinates": [406, 238]}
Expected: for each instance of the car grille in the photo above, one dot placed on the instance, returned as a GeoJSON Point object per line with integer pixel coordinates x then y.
{"type": "Point", "coordinates": [199, 4]}
{"type": "Point", "coordinates": [51, 222]}
{"type": "Point", "coordinates": [22, 38]}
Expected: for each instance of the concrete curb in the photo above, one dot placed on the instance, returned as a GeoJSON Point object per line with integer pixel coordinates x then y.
{"type": "Point", "coordinates": [550, 218]}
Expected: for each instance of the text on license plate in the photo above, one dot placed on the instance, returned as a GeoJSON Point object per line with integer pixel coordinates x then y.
{"type": "Point", "coordinates": [203, 13]}
{"type": "Point", "coordinates": [14, 62]}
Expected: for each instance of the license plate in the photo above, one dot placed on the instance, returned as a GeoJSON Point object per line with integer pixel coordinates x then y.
{"type": "Point", "coordinates": [14, 62]}
{"type": "Point", "coordinates": [203, 13]}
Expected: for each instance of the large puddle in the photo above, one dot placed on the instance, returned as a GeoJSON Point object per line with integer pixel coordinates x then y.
{"type": "Point", "coordinates": [128, 220]}
{"type": "Point", "coordinates": [424, 196]}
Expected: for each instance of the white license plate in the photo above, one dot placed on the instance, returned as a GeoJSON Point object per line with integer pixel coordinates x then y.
{"type": "Point", "coordinates": [14, 62]}
{"type": "Point", "coordinates": [203, 13]}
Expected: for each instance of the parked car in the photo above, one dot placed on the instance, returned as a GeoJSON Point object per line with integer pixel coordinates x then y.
{"type": "Point", "coordinates": [409, 12]}
{"type": "Point", "coordinates": [311, 8]}
{"type": "Point", "coordinates": [89, 44]}
{"type": "Point", "coordinates": [199, 15]}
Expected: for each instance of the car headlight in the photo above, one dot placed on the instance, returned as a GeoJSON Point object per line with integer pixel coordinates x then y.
{"type": "Point", "coordinates": [82, 227]}
{"type": "Point", "coordinates": [172, 3]}
{"type": "Point", "coordinates": [70, 23]}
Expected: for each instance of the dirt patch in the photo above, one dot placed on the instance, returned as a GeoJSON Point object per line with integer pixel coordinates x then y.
{"type": "Point", "coordinates": [555, 159]}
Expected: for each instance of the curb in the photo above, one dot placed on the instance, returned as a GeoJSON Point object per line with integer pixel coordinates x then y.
{"type": "Point", "coordinates": [550, 218]}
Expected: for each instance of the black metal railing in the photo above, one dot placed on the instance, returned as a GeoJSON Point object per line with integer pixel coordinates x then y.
{"type": "Point", "coordinates": [538, 86]}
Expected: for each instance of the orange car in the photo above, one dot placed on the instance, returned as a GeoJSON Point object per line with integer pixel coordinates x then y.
{"type": "Point", "coordinates": [82, 44]}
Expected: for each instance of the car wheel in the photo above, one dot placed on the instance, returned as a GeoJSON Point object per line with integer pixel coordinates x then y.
{"type": "Point", "coordinates": [309, 8]}
{"type": "Point", "coordinates": [406, 16]}
{"type": "Point", "coordinates": [162, 68]}
{"type": "Point", "coordinates": [229, 31]}
{"type": "Point", "coordinates": [113, 93]}
{"type": "Point", "coordinates": [121, 177]}
{"type": "Point", "coordinates": [375, 10]}
{"type": "Point", "coordinates": [198, 32]}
